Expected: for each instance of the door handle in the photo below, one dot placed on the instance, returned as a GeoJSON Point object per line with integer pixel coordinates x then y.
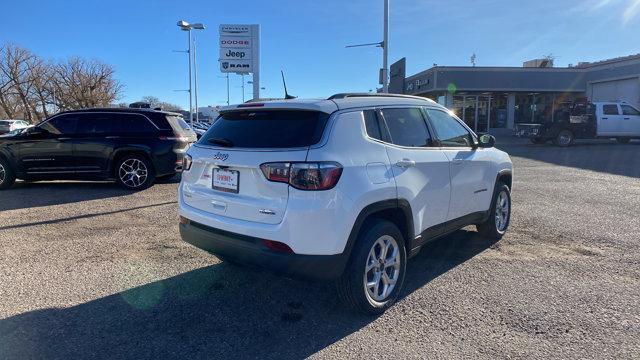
{"type": "Point", "coordinates": [627, 118]}
{"type": "Point", "coordinates": [457, 161]}
{"type": "Point", "coordinates": [112, 137]}
{"type": "Point", "coordinates": [605, 118]}
{"type": "Point", "coordinates": [404, 163]}
{"type": "Point", "coordinates": [64, 138]}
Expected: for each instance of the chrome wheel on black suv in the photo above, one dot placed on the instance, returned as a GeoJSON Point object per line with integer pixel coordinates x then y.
{"type": "Point", "coordinates": [7, 177]}
{"type": "Point", "coordinates": [134, 172]}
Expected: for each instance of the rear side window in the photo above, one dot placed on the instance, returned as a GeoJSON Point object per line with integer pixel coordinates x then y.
{"type": "Point", "coordinates": [132, 123]}
{"type": "Point", "coordinates": [610, 109]}
{"type": "Point", "coordinates": [407, 127]}
{"type": "Point", "coordinates": [178, 124]}
{"type": "Point", "coordinates": [372, 125]}
{"type": "Point", "coordinates": [629, 110]}
{"type": "Point", "coordinates": [267, 129]}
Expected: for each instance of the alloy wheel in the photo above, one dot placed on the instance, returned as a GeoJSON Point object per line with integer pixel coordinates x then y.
{"type": "Point", "coordinates": [382, 269]}
{"type": "Point", "coordinates": [3, 174]}
{"type": "Point", "coordinates": [564, 139]}
{"type": "Point", "coordinates": [502, 212]}
{"type": "Point", "coordinates": [133, 173]}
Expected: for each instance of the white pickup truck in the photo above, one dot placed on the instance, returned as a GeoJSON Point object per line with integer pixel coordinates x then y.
{"type": "Point", "coordinates": [619, 120]}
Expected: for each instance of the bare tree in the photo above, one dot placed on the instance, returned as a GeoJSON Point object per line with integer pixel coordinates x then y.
{"type": "Point", "coordinates": [32, 88]}
{"type": "Point", "coordinates": [157, 103]}
{"type": "Point", "coordinates": [82, 83]}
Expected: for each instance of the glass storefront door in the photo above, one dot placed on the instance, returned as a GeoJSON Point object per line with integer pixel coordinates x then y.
{"type": "Point", "coordinates": [474, 110]}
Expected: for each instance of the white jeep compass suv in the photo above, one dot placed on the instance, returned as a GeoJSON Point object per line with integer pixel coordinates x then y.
{"type": "Point", "coordinates": [346, 188]}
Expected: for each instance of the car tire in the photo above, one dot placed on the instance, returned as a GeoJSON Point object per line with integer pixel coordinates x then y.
{"type": "Point", "coordinates": [7, 176]}
{"type": "Point", "coordinates": [134, 172]}
{"type": "Point", "coordinates": [499, 214]}
{"type": "Point", "coordinates": [565, 138]}
{"type": "Point", "coordinates": [623, 140]}
{"type": "Point", "coordinates": [366, 271]}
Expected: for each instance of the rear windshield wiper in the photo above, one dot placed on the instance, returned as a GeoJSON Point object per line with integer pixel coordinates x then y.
{"type": "Point", "coordinates": [221, 142]}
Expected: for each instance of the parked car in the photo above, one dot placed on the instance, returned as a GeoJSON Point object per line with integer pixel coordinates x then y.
{"type": "Point", "coordinates": [132, 146]}
{"type": "Point", "coordinates": [619, 120]}
{"type": "Point", "coordinates": [7, 126]}
{"type": "Point", "coordinates": [345, 189]}
{"type": "Point", "coordinates": [200, 128]}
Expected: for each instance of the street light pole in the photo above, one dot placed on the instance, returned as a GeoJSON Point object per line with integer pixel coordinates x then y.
{"type": "Point", "coordinates": [195, 79]}
{"type": "Point", "coordinates": [185, 26]}
{"type": "Point", "coordinates": [385, 49]}
{"type": "Point", "coordinates": [242, 87]}
{"type": "Point", "coordinates": [190, 97]}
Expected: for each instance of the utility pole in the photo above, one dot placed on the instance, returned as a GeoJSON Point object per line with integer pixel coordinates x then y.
{"type": "Point", "coordinates": [227, 89]}
{"type": "Point", "coordinates": [385, 50]}
{"type": "Point", "coordinates": [383, 74]}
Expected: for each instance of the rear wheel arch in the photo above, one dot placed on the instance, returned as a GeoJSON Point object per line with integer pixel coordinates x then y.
{"type": "Point", "coordinates": [397, 211]}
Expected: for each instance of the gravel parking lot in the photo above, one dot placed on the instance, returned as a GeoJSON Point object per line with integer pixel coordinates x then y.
{"type": "Point", "coordinates": [90, 271]}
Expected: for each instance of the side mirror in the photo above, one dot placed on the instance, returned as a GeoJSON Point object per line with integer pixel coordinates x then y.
{"type": "Point", "coordinates": [38, 131]}
{"type": "Point", "coordinates": [487, 141]}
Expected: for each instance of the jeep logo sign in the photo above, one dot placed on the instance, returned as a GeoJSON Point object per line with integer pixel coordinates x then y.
{"type": "Point", "coordinates": [239, 49]}
{"type": "Point", "coordinates": [235, 54]}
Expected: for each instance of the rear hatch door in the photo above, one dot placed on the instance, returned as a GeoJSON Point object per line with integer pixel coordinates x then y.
{"type": "Point", "coordinates": [225, 177]}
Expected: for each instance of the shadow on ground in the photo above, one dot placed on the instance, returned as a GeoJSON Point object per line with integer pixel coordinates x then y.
{"type": "Point", "coordinates": [220, 311]}
{"type": "Point", "coordinates": [600, 156]}
{"type": "Point", "coordinates": [25, 195]}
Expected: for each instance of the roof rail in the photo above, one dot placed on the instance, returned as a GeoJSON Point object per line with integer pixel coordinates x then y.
{"type": "Point", "coordinates": [350, 95]}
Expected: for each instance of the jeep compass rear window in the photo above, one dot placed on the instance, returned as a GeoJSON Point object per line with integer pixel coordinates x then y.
{"type": "Point", "coordinates": [266, 129]}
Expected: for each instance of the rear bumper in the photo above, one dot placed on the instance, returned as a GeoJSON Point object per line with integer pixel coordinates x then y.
{"type": "Point", "coordinates": [251, 251]}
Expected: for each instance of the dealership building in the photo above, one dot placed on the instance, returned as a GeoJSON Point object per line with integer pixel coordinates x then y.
{"type": "Point", "coordinates": [503, 97]}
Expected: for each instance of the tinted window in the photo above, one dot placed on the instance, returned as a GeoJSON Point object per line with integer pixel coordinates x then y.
{"type": "Point", "coordinates": [629, 110]}
{"type": "Point", "coordinates": [610, 109]}
{"type": "Point", "coordinates": [95, 123]}
{"type": "Point", "coordinates": [64, 124]}
{"type": "Point", "coordinates": [267, 129]}
{"type": "Point", "coordinates": [407, 127]}
{"type": "Point", "coordinates": [449, 131]}
{"type": "Point", "coordinates": [131, 123]}
{"type": "Point", "coordinates": [372, 125]}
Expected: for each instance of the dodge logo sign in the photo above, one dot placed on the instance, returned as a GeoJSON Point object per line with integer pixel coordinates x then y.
{"type": "Point", "coordinates": [225, 65]}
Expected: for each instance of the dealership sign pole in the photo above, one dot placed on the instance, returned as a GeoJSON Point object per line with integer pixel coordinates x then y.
{"type": "Point", "coordinates": [240, 52]}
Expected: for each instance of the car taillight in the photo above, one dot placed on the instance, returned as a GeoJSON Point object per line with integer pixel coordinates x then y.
{"type": "Point", "coordinates": [304, 175]}
{"type": "Point", "coordinates": [187, 160]}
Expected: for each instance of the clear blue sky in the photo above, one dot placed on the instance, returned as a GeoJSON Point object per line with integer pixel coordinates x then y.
{"type": "Point", "coordinates": [307, 38]}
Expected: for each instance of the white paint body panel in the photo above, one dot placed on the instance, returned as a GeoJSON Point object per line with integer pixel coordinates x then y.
{"type": "Point", "coordinates": [319, 222]}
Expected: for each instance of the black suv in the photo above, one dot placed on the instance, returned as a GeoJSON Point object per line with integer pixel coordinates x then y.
{"type": "Point", "coordinates": [132, 146]}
